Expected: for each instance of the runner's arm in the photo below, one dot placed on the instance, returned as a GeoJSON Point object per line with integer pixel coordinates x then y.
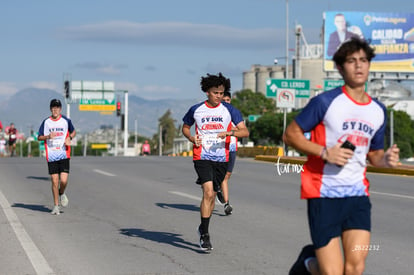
{"type": "Point", "coordinates": [187, 133]}
{"type": "Point", "coordinates": [380, 158]}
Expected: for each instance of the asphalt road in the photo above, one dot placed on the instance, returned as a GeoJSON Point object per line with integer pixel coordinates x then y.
{"type": "Point", "coordinates": [139, 216]}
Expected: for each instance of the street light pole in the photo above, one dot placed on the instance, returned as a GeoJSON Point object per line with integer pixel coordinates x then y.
{"type": "Point", "coordinates": [125, 122]}
{"type": "Point", "coordinates": [287, 39]}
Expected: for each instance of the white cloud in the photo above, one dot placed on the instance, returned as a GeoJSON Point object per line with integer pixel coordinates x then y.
{"type": "Point", "coordinates": [8, 88]}
{"type": "Point", "coordinates": [44, 85]}
{"type": "Point", "coordinates": [175, 34]}
{"type": "Point", "coordinates": [106, 69]}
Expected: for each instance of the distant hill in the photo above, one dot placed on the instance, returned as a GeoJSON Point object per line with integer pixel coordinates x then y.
{"type": "Point", "coordinates": [27, 108]}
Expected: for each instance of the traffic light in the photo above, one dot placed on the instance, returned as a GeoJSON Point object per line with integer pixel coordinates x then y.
{"type": "Point", "coordinates": [118, 108]}
{"type": "Point", "coordinates": [67, 89]}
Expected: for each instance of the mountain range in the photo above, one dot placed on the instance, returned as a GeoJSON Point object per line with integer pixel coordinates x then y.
{"type": "Point", "coordinates": [27, 109]}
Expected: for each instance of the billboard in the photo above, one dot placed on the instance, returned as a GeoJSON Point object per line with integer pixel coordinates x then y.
{"type": "Point", "coordinates": [391, 34]}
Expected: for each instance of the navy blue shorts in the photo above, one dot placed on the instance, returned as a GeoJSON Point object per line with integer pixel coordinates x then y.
{"type": "Point", "coordinates": [329, 217]}
{"type": "Point", "coordinates": [232, 160]}
{"type": "Point", "coordinates": [208, 170]}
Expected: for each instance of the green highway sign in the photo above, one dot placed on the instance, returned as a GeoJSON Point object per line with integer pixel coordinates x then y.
{"type": "Point", "coordinates": [301, 86]}
{"type": "Point", "coordinates": [329, 84]}
{"type": "Point", "coordinates": [97, 102]}
{"type": "Point", "coordinates": [253, 118]}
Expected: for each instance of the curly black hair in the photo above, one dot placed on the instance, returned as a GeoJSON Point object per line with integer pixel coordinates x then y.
{"type": "Point", "coordinates": [349, 47]}
{"type": "Point", "coordinates": [214, 81]}
{"type": "Point", "coordinates": [227, 94]}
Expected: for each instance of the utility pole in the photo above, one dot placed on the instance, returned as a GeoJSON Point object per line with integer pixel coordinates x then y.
{"type": "Point", "coordinates": [160, 141]}
{"type": "Point", "coordinates": [125, 122]}
{"type": "Point", "coordinates": [287, 40]}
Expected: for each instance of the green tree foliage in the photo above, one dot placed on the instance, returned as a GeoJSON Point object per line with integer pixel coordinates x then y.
{"type": "Point", "coordinates": [250, 103]}
{"type": "Point", "coordinates": [168, 131]}
{"type": "Point", "coordinates": [403, 133]}
{"type": "Point", "coordinates": [268, 129]}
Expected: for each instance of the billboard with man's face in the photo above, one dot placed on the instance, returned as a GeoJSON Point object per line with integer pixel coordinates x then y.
{"type": "Point", "coordinates": [391, 34]}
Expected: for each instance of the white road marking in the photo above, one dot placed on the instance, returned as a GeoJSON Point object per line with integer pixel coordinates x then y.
{"type": "Point", "coordinates": [393, 195]}
{"type": "Point", "coordinates": [104, 173]}
{"type": "Point", "coordinates": [185, 195]}
{"type": "Point", "coordinates": [37, 259]}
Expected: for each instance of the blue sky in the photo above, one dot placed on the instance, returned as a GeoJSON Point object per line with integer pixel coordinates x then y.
{"type": "Point", "coordinates": [154, 49]}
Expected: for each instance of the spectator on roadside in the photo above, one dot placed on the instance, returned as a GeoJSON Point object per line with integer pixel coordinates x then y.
{"type": "Point", "coordinates": [146, 148]}
{"type": "Point", "coordinates": [3, 143]}
{"type": "Point", "coordinates": [12, 133]}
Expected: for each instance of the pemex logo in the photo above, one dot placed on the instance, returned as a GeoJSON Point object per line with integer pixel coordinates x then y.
{"type": "Point", "coordinates": [367, 19]}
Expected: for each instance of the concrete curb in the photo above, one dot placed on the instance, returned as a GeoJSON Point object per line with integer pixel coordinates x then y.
{"type": "Point", "coordinates": [407, 170]}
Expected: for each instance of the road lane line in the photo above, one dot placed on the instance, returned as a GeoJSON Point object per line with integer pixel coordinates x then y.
{"type": "Point", "coordinates": [185, 195]}
{"type": "Point", "coordinates": [37, 259]}
{"type": "Point", "coordinates": [104, 173]}
{"type": "Point", "coordinates": [393, 195]}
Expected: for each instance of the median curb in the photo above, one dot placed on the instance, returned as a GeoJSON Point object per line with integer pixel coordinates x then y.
{"type": "Point", "coordinates": [402, 169]}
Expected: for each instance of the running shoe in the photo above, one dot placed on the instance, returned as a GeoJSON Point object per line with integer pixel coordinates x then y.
{"type": "Point", "coordinates": [220, 197]}
{"type": "Point", "coordinates": [55, 210]}
{"type": "Point", "coordinates": [299, 267]}
{"type": "Point", "coordinates": [205, 244]}
{"type": "Point", "coordinates": [64, 200]}
{"type": "Point", "coordinates": [228, 209]}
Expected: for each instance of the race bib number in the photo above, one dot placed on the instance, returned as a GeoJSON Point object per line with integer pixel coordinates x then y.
{"type": "Point", "coordinates": [209, 142]}
{"type": "Point", "coordinates": [56, 144]}
{"type": "Point", "coordinates": [12, 136]}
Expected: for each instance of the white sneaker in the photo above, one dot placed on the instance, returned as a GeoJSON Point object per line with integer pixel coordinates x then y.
{"type": "Point", "coordinates": [64, 200]}
{"type": "Point", "coordinates": [55, 210]}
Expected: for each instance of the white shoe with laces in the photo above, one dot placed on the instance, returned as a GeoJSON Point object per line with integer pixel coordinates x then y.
{"type": "Point", "coordinates": [55, 210]}
{"type": "Point", "coordinates": [64, 201]}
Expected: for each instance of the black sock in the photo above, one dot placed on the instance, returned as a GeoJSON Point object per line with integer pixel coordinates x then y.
{"type": "Point", "coordinates": [204, 225]}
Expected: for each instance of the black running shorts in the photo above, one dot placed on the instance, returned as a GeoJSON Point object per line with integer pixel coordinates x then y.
{"type": "Point", "coordinates": [208, 170]}
{"type": "Point", "coordinates": [57, 167]}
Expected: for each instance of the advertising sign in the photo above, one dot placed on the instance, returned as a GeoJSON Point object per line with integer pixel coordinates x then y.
{"type": "Point", "coordinates": [391, 35]}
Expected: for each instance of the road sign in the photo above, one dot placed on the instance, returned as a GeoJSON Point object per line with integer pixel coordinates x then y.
{"type": "Point", "coordinates": [97, 102]}
{"type": "Point", "coordinates": [94, 95]}
{"type": "Point", "coordinates": [253, 118]}
{"type": "Point", "coordinates": [329, 84]}
{"type": "Point", "coordinates": [285, 98]}
{"type": "Point", "coordinates": [99, 108]}
{"type": "Point", "coordinates": [301, 87]}
{"type": "Point", "coordinates": [100, 146]}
